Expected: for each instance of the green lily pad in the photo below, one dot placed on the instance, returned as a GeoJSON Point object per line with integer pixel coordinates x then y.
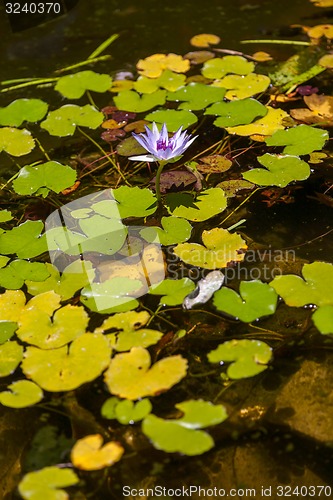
{"type": "Point", "coordinates": [11, 354]}
{"type": "Point", "coordinates": [111, 296]}
{"type": "Point", "coordinates": [24, 240]}
{"type": "Point", "coordinates": [63, 121]}
{"type": "Point", "coordinates": [219, 248]}
{"type": "Point", "coordinates": [173, 118]}
{"type": "Point", "coordinates": [134, 201]}
{"type": "Point", "coordinates": [323, 319]}
{"type": "Point", "coordinates": [196, 96]}
{"type": "Point", "coordinates": [129, 100]}
{"type": "Point", "coordinates": [5, 216]}
{"type": "Point", "coordinates": [280, 170]}
{"type": "Point", "coordinates": [14, 275]}
{"type": "Point", "coordinates": [241, 87]}
{"type": "Point", "coordinates": [45, 483]}
{"type": "Point", "coordinates": [219, 67]}
{"type": "Point", "coordinates": [21, 394]}
{"type": "Point", "coordinates": [300, 140]}
{"type": "Point", "coordinates": [175, 230]}
{"type": "Point", "coordinates": [103, 235]}
{"type": "Point", "coordinates": [50, 175]}
{"type": "Point", "coordinates": [74, 86]}
{"type": "Point", "coordinates": [316, 286]}
{"type": "Point", "coordinates": [239, 112]}
{"type": "Point", "coordinates": [21, 110]}
{"type": "Point", "coordinates": [126, 412]}
{"type": "Point", "coordinates": [65, 369]}
{"type": "Point", "coordinates": [248, 357]}
{"type": "Point", "coordinates": [255, 299]}
{"type": "Point", "coordinates": [173, 291]}
{"type": "Point", "coordinates": [208, 203]}
{"type": "Point", "coordinates": [181, 435]}
{"type": "Point", "coordinates": [168, 80]}
{"type": "Point", "coordinates": [7, 330]}
{"type": "Point", "coordinates": [16, 142]}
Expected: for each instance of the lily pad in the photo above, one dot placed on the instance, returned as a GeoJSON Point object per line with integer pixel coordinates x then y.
{"type": "Point", "coordinates": [214, 164]}
{"type": "Point", "coordinates": [63, 121]}
{"type": "Point", "coordinates": [154, 65]}
{"type": "Point", "coordinates": [280, 170]}
{"type": "Point", "coordinates": [24, 240]}
{"type": "Point", "coordinates": [316, 286]}
{"type": "Point", "coordinates": [11, 304]}
{"type": "Point", "coordinates": [300, 140]}
{"type": "Point", "coordinates": [14, 275]}
{"type": "Point", "coordinates": [220, 248]}
{"type": "Point", "coordinates": [175, 230]}
{"type": "Point", "coordinates": [241, 87]}
{"type": "Point", "coordinates": [125, 411]}
{"type": "Point", "coordinates": [134, 201]}
{"type": "Point", "coordinates": [130, 375]}
{"type": "Point", "coordinates": [11, 354]}
{"type": "Point", "coordinates": [173, 291]}
{"type": "Point", "coordinates": [46, 483]}
{"type": "Point", "coordinates": [50, 176]}
{"type": "Point", "coordinates": [255, 299]}
{"type": "Point", "coordinates": [89, 453]}
{"type": "Point", "coordinates": [16, 142]}
{"type": "Point", "coordinates": [219, 67]}
{"type": "Point", "coordinates": [248, 357]}
{"type": "Point", "coordinates": [204, 40]}
{"type": "Point", "coordinates": [129, 100]}
{"type": "Point", "coordinates": [320, 110]}
{"type": "Point", "coordinates": [21, 394]}
{"type": "Point", "coordinates": [7, 329]}
{"type": "Point", "coordinates": [168, 80]}
{"type": "Point", "coordinates": [240, 112]}
{"type": "Point", "coordinates": [114, 295]}
{"type": "Point", "coordinates": [267, 125]}
{"type": "Point", "coordinates": [208, 203]}
{"type": "Point", "coordinates": [196, 96]}
{"type": "Point", "coordinates": [323, 319]}
{"type": "Point", "coordinates": [172, 118]}
{"type": "Point", "coordinates": [65, 369]}
{"type": "Point", "coordinates": [5, 216]}
{"type": "Point", "coordinates": [21, 110]}
{"type": "Point", "coordinates": [74, 86]}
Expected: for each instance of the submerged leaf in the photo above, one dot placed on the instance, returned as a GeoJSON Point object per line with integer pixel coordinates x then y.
{"type": "Point", "coordinates": [320, 110]}
{"type": "Point", "coordinates": [113, 295]}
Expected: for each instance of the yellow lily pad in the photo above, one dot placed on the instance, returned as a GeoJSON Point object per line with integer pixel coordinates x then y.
{"type": "Point", "coordinates": [204, 40]}
{"type": "Point", "coordinates": [220, 248]}
{"type": "Point", "coordinates": [321, 30]}
{"type": "Point", "coordinates": [130, 375]}
{"type": "Point", "coordinates": [154, 65]}
{"type": "Point", "coordinates": [266, 125]}
{"type": "Point", "coordinates": [261, 56]}
{"type": "Point", "coordinates": [240, 87]}
{"type": "Point", "coordinates": [89, 453]}
{"type": "Point", "coordinates": [326, 61]}
{"type": "Point", "coordinates": [11, 305]}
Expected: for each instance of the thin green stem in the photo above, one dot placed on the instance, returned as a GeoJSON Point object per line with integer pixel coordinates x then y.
{"type": "Point", "coordinates": [281, 42]}
{"type": "Point", "coordinates": [158, 180]}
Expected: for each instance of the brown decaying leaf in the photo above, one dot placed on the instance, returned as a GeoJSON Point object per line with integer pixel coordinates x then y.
{"type": "Point", "coordinates": [214, 164]}
{"type": "Point", "coordinates": [320, 110]}
{"type": "Point", "coordinates": [175, 180]}
{"type": "Point", "coordinates": [199, 56]}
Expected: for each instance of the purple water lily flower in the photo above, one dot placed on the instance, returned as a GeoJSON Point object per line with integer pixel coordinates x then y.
{"type": "Point", "coordinates": [160, 146]}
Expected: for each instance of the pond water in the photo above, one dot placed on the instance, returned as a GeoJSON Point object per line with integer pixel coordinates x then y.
{"type": "Point", "coordinates": [278, 438]}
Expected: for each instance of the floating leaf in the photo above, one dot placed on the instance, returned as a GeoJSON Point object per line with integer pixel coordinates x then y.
{"type": "Point", "coordinates": [321, 30]}
{"type": "Point", "coordinates": [267, 125]}
{"type": "Point", "coordinates": [89, 453]}
{"type": "Point", "coordinates": [63, 121]}
{"type": "Point", "coordinates": [168, 80]}
{"type": "Point", "coordinates": [261, 56]}
{"type": "Point", "coordinates": [21, 394]}
{"type": "Point", "coordinates": [134, 201]}
{"type": "Point", "coordinates": [74, 86]}
{"type": "Point", "coordinates": [232, 187]}
{"type": "Point", "coordinates": [221, 248]}
{"type": "Point", "coordinates": [45, 483]}
{"type": "Point", "coordinates": [320, 110]}
{"type": "Point", "coordinates": [154, 65]}
{"type": "Point", "coordinates": [175, 230]}
{"type": "Point", "coordinates": [16, 142]}
{"type": "Point", "coordinates": [5, 216]}
{"type": "Point", "coordinates": [214, 164]}
{"type": "Point", "coordinates": [196, 96]}
{"type": "Point", "coordinates": [239, 112]}
{"type": "Point", "coordinates": [204, 40]}
{"type": "Point", "coordinates": [240, 87]}
{"type": "Point", "coordinates": [326, 61]}
{"type": "Point", "coordinates": [126, 412]}
{"type": "Point", "coordinates": [181, 435]}
{"type": "Point", "coordinates": [21, 110]}
{"type": "Point", "coordinates": [207, 204]}
{"type": "Point", "coordinates": [49, 176]}
{"type": "Point", "coordinates": [11, 304]}
{"type": "Point", "coordinates": [173, 291]}
{"type": "Point", "coordinates": [323, 319]}
{"type": "Point", "coordinates": [300, 140]}
{"type": "Point", "coordinates": [24, 240]}
{"type": "Point", "coordinates": [11, 354]}
{"type": "Point", "coordinates": [14, 275]}
{"type": "Point", "coordinates": [7, 329]}
{"type": "Point", "coordinates": [248, 357]}
{"type": "Point", "coordinates": [280, 170]}
{"type": "Point", "coordinates": [66, 368]}
{"type": "Point", "coordinates": [172, 118]}
{"type": "Point", "coordinates": [114, 295]}
{"type": "Point", "coordinates": [129, 100]}
{"type": "Point", "coordinates": [316, 286]}
{"type": "Point", "coordinates": [130, 376]}
{"type": "Point", "coordinates": [219, 67]}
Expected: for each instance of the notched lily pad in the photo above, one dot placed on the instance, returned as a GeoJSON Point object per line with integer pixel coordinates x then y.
{"type": "Point", "coordinates": [280, 170]}
{"type": "Point", "coordinates": [21, 110]}
{"type": "Point", "coordinates": [219, 67]}
{"type": "Point", "coordinates": [20, 394]}
{"type": "Point", "coordinates": [175, 230]}
{"type": "Point", "coordinates": [266, 125]}
{"type": "Point", "coordinates": [89, 453]}
{"type": "Point", "coordinates": [173, 291]}
{"type": "Point", "coordinates": [173, 118]}
{"type": "Point", "coordinates": [240, 112]}
{"type": "Point", "coordinates": [14, 275]}
{"type": "Point", "coordinates": [16, 142]}
{"type": "Point", "coordinates": [24, 240]}
{"type": "Point", "coordinates": [240, 87]}
{"type": "Point", "coordinates": [125, 411]}
{"type": "Point", "coordinates": [46, 483]}
{"type": "Point", "coordinates": [208, 203]}
{"type": "Point", "coordinates": [300, 140]}
{"type": "Point", "coordinates": [63, 121]}
{"type": "Point", "coordinates": [196, 96]}
{"type": "Point", "coordinates": [74, 86]}
{"type": "Point", "coordinates": [129, 100]}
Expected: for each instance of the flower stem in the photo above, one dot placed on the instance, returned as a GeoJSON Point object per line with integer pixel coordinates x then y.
{"type": "Point", "coordinates": [157, 180]}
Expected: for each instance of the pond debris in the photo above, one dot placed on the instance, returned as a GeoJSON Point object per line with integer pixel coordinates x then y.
{"type": "Point", "coordinates": [204, 290]}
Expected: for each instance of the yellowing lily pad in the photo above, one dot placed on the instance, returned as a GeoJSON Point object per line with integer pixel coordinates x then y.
{"type": "Point", "coordinates": [154, 65]}
{"type": "Point", "coordinates": [175, 230]}
{"type": "Point", "coordinates": [173, 291]}
{"type": "Point", "coordinates": [21, 394]}
{"type": "Point", "coordinates": [248, 357]}
{"type": "Point", "coordinates": [208, 203]}
{"type": "Point", "coordinates": [168, 80]}
{"type": "Point", "coordinates": [220, 248]}
{"type": "Point", "coordinates": [65, 369]}
{"type": "Point", "coordinates": [20, 110]}
{"type": "Point", "coordinates": [11, 304]}
{"type": "Point", "coordinates": [74, 86]}
{"type": "Point", "coordinates": [45, 483]}
{"type": "Point", "coordinates": [204, 40]}
{"type": "Point", "coordinates": [267, 125]}
{"type": "Point", "coordinates": [320, 110]}
{"type": "Point", "coordinates": [16, 142]}
{"type": "Point", "coordinates": [130, 375]}
{"type": "Point", "coordinates": [240, 112]}
{"type": "Point", "coordinates": [280, 170]}
{"type": "Point", "coordinates": [196, 96]}
{"type": "Point", "coordinates": [326, 61]}
{"type": "Point", "coordinates": [219, 67]}
{"type": "Point", "coordinates": [89, 453]}
{"type": "Point", "coordinates": [255, 299]}
{"type": "Point", "coordinates": [11, 354]}
{"type": "Point", "coordinates": [241, 87]}
{"type": "Point", "coordinates": [63, 121]}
